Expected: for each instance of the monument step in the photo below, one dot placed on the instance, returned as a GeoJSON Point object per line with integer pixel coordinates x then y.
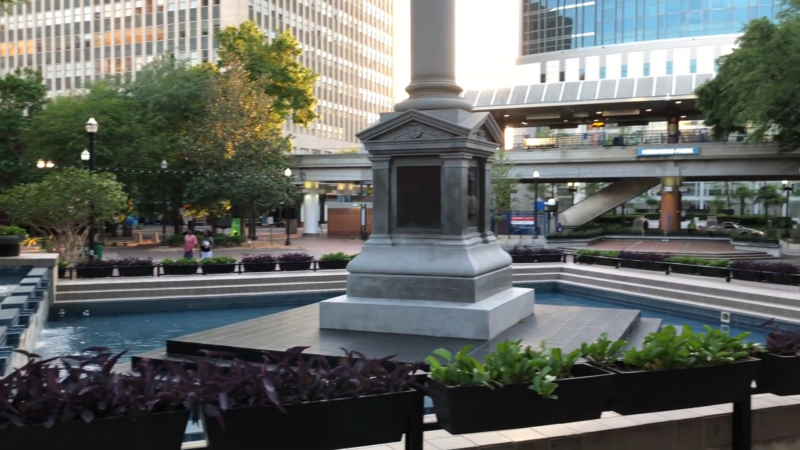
{"type": "Point", "coordinates": [645, 326]}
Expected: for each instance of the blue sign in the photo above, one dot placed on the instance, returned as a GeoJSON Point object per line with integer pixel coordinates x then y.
{"type": "Point", "coordinates": [675, 151]}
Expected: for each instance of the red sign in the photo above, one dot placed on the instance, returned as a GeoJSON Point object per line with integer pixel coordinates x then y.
{"type": "Point", "coordinates": [522, 220]}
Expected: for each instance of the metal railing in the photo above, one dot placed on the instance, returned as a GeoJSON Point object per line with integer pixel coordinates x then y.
{"type": "Point", "coordinates": [158, 270]}
{"type": "Point", "coordinates": [604, 139]}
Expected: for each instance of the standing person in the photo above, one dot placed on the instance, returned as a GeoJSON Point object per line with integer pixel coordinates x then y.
{"type": "Point", "coordinates": [189, 243]}
{"type": "Point", "coordinates": [205, 246]}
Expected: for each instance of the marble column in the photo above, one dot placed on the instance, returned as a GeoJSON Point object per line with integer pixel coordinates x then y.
{"type": "Point", "coordinates": [433, 58]}
{"type": "Point", "coordinates": [670, 204]}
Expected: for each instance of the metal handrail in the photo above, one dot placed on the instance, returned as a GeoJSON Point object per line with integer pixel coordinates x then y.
{"type": "Point", "coordinates": [645, 137]}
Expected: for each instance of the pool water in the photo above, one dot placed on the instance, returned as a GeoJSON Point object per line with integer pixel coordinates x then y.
{"type": "Point", "coordinates": [140, 332]}
{"type": "Point", "coordinates": [148, 331]}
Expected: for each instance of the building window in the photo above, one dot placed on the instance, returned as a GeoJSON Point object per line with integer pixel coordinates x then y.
{"type": "Point", "coordinates": [561, 76]}
{"type": "Point", "coordinates": [693, 66]}
{"type": "Point", "coordinates": [582, 74]}
{"type": "Point", "coordinates": [646, 70]}
{"type": "Point", "coordinates": [602, 73]}
{"type": "Point", "coordinates": [669, 67]}
{"type": "Point", "coordinates": [543, 78]}
{"type": "Point", "coordinates": [624, 71]}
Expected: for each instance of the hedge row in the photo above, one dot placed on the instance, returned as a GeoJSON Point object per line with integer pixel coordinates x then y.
{"type": "Point", "coordinates": [746, 220]}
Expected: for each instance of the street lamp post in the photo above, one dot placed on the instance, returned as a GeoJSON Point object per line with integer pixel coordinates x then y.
{"type": "Point", "coordinates": [165, 212]}
{"type": "Point", "coordinates": [536, 203]}
{"type": "Point", "coordinates": [85, 157]}
{"type": "Point", "coordinates": [91, 132]}
{"type": "Point", "coordinates": [288, 174]}
{"type": "Point", "coordinates": [787, 189]}
{"type": "Point", "coordinates": [42, 164]}
{"type": "Point", "coordinates": [573, 188]}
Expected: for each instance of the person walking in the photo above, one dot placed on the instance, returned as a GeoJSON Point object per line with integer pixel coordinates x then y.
{"type": "Point", "coordinates": [189, 243]}
{"type": "Point", "coordinates": [205, 246]}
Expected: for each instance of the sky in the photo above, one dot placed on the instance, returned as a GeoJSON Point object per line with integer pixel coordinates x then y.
{"type": "Point", "coordinates": [487, 37]}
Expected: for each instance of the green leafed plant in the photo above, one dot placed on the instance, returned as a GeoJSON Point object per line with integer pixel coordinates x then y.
{"type": "Point", "coordinates": [509, 363]}
{"type": "Point", "coordinates": [603, 351]}
{"type": "Point", "coordinates": [180, 262]}
{"type": "Point", "coordinates": [218, 260]}
{"type": "Point", "coordinates": [341, 256]}
{"type": "Point", "coordinates": [11, 230]}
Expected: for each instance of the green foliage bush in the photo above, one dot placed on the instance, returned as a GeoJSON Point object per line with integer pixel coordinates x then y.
{"type": "Point", "coordinates": [601, 253]}
{"type": "Point", "coordinates": [509, 363]}
{"type": "Point", "coordinates": [12, 230]}
{"type": "Point", "coordinates": [340, 256]}
{"type": "Point", "coordinates": [180, 262]}
{"type": "Point", "coordinates": [218, 260]}
{"type": "Point", "coordinates": [699, 261]}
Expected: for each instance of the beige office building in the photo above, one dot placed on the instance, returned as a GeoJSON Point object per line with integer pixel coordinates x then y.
{"type": "Point", "coordinates": [347, 42]}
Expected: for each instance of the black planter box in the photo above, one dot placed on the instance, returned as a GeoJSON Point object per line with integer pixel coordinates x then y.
{"type": "Point", "coordinates": [332, 265]}
{"type": "Point", "coordinates": [259, 267]}
{"type": "Point", "coordinates": [175, 269]}
{"type": "Point", "coordinates": [787, 279]}
{"type": "Point", "coordinates": [748, 275]}
{"type": "Point", "coordinates": [9, 246]}
{"type": "Point", "coordinates": [293, 266]}
{"type": "Point", "coordinates": [335, 424]}
{"type": "Point", "coordinates": [523, 259]}
{"type": "Point", "coordinates": [141, 271]}
{"type": "Point", "coordinates": [151, 432]}
{"type": "Point", "coordinates": [630, 264]}
{"type": "Point", "coordinates": [643, 392]}
{"type": "Point", "coordinates": [94, 272]}
{"type": "Point", "coordinates": [779, 374]}
{"type": "Point", "coordinates": [475, 409]}
{"type": "Point", "coordinates": [685, 269]}
{"type": "Point", "coordinates": [654, 266]}
{"type": "Point", "coordinates": [582, 259]}
{"type": "Point", "coordinates": [603, 261]}
{"type": "Point", "coordinates": [211, 269]}
{"type": "Point", "coordinates": [549, 258]}
{"type": "Point", "coordinates": [718, 272]}
{"type": "Point", "coordinates": [62, 273]}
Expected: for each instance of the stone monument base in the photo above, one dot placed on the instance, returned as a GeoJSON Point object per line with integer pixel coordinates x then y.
{"type": "Point", "coordinates": [482, 320]}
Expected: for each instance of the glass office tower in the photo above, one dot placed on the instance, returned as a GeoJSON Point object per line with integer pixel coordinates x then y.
{"type": "Point", "coordinates": [555, 25]}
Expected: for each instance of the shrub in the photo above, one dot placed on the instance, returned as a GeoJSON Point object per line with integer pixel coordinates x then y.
{"type": "Point", "coordinates": [132, 262]}
{"type": "Point", "coordinates": [218, 260]}
{"type": "Point", "coordinates": [341, 256]}
{"type": "Point", "coordinates": [95, 263]}
{"type": "Point", "coordinates": [176, 240]}
{"type": "Point", "coordinates": [648, 257]}
{"type": "Point", "coordinates": [783, 342]}
{"type": "Point", "coordinates": [258, 259]}
{"type": "Point", "coordinates": [63, 264]}
{"type": "Point", "coordinates": [295, 257]}
{"type": "Point", "coordinates": [180, 262]}
{"type": "Point", "coordinates": [699, 261]}
{"type": "Point", "coordinates": [523, 250]}
{"type": "Point", "coordinates": [600, 253]}
{"type": "Point", "coordinates": [12, 230]}
{"type": "Point", "coordinates": [760, 266]}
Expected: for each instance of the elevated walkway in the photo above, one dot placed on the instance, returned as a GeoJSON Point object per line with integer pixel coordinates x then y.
{"type": "Point", "coordinates": [613, 195]}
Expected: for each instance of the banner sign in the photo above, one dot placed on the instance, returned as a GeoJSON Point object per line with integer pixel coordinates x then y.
{"type": "Point", "coordinates": [682, 151]}
{"type": "Point", "coordinates": [522, 221]}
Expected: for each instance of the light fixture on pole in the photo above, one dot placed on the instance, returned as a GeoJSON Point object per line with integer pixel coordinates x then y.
{"type": "Point", "coordinates": [536, 203]}
{"type": "Point", "coordinates": [288, 174]}
{"type": "Point", "coordinates": [787, 189]}
{"type": "Point", "coordinates": [85, 157]}
{"type": "Point", "coordinates": [165, 212]}
{"type": "Point", "coordinates": [573, 188]}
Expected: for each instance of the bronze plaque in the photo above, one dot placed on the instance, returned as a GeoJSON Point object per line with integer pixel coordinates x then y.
{"type": "Point", "coordinates": [419, 197]}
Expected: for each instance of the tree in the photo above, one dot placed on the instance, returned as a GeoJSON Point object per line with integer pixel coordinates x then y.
{"type": "Point", "coordinates": [650, 202]}
{"type": "Point", "coordinates": [22, 96]}
{"type": "Point", "coordinates": [543, 132]}
{"type": "Point", "coordinates": [504, 185]}
{"type": "Point", "coordinates": [239, 146]}
{"type": "Point", "coordinates": [276, 66]}
{"type": "Point", "coordinates": [768, 195]}
{"type": "Point", "coordinates": [742, 194]}
{"type": "Point", "coordinates": [756, 86]}
{"type": "Point", "coordinates": [63, 204]}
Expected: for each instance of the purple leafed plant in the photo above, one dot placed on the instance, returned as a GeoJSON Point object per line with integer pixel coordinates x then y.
{"type": "Point", "coordinates": [783, 342]}
{"type": "Point", "coordinates": [523, 250]}
{"type": "Point", "coordinates": [647, 257]}
{"type": "Point", "coordinates": [132, 262]}
{"type": "Point", "coordinates": [760, 266]}
{"type": "Point", "coordinates": [95, 263]}
{"type": "Point", "coordinates": [295, 257]}
{"type": "Point", "coordinates": [83, 388]}
{"type": "Point", "coordinates": [258, 259]}
{"type": "Point", "coordinates": [291, 377]}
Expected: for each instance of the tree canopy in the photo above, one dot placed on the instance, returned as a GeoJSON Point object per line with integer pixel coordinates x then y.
{"type": "Point", "coordinates": [756, 86]}
{"type": "Point", "coordinates": [64, 204]}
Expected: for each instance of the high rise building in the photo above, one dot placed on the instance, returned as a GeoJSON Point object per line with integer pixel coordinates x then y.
{"type": "Point", "coordinates": [347, 42]}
